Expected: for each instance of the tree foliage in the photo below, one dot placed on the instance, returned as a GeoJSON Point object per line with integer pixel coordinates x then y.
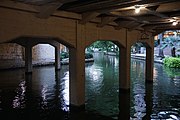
{"type": "Point", "coordinates": [103, 46]}
{"type": "Point", "coordinates": [172, 62]}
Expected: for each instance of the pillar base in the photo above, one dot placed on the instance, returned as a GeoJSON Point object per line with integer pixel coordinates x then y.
{"type": "Point", "coordinates": [123, 90]}
{"type": "Point", "coordinates": [74, 108]}
{"type": "Point", "coordinates": [149, 81]}
{"type": "Point", "coordinates": [124, 104]}
{"type": "Point", "coordinates": [58, 69]}
{"type": "Point", "coordinates": [28, 72]}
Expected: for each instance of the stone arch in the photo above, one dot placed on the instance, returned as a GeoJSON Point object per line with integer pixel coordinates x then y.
{"type": "Point", "coordinates": [29, 41]}
{"type": "Point", "coordinates": [33, 40]}
{"type": "Point", "coordinates": [124, 67]}
{"type": "Point", "coordinates": [116, 42]}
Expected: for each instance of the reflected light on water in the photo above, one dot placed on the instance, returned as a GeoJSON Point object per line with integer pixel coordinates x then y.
{"type": "Point", "coordinates": [155, 73]}
{"type": "Point", "coordinates": [19, 99]}
{"type": "Point", "coordinates": [166, 115]}
{"type": "Point", "coordinates": [65, 92]}
{"type": "Point", "coordinates": [96, 78]}
{"type": "Point", "coordinates": [102, 84]}
{"type": "Point", "coordinates": [139, 102]}
{"type": "Point", "coordinates": [96, 75]}
{"type": "Point", "coordinates": [44, 97]}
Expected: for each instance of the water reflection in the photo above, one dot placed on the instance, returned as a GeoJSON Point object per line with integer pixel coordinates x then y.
{"type": "Point", "coordinates": [146, 100]}
{"type": "Point", "coordinates": [166, 98]}
{"type": "Point", "coordinates": [19, 99]}
{"type": "Point", "coordinates": [138, 93]}
{"type": "Point", "coordinates": [45, 93]}
{"type": "Point", "coordinates": [102, 86]}
{"type": "Point", "coordinates": [65, 92]}
{"type": "Point", "coordinates": [139, 102]}
{"type": "Point", "coordinates": [44, 97]}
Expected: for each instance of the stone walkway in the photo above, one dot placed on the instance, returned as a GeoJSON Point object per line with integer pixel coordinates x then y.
{"type": "Point", "coordinates": [143, 57]}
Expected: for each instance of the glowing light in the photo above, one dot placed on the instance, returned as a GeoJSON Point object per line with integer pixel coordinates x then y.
{"type": "Point", "coordinates": [137, 9]}
{"type": "Point", "coordinates": [19, 99]}
{"type": "Point", "coordinates": [174, 23]}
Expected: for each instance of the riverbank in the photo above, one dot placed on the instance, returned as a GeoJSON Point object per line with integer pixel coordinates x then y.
{"type": "Point", "coordinates": [66, 61]}
{"type": "Point", "coordinates": [13, 64]}
{"type": "Point", "coordinates": [138, 56]}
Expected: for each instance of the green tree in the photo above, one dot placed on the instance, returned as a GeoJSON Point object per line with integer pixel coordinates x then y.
{"type": "Point", "coordinates": [104, 45]}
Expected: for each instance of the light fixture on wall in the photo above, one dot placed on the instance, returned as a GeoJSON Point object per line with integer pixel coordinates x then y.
{"type": "Point", "coordinates": [137, 8]}
{"type": "Point", "coordinates": [174, 23]}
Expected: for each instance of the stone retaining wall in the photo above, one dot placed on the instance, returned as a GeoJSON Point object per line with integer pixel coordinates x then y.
{"type": "Point", "coordinates": [12, 55]}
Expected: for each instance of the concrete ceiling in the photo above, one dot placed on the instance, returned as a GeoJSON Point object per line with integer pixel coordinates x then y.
{"type": "Point", "coordinates": [154, 14]}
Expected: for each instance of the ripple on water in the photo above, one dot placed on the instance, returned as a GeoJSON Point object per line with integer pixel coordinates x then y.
{"type": "Point", "coordinates": [166, 115]}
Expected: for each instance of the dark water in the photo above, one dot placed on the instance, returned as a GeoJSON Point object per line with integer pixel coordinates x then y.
{"type": "Point", "coordinates": [44, 95]}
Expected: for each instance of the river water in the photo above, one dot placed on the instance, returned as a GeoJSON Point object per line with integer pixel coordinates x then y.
{"type": "Point", "coordinates": [44, 95]}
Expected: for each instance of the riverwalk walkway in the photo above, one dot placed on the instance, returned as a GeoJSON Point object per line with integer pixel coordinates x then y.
{"type": "Point", "coordinates": [143, 57]}
{"type": "Point", "coordinates": [140, 56]}
{"type": "Point", "coordinates": [20, 63]}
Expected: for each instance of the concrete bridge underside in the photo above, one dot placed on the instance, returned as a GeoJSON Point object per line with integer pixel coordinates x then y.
{"type": "Point", "coordinates": [22, 27]}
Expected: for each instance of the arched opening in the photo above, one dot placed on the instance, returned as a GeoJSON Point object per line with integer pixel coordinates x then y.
{"type": "Point", "coordinates": [48, 52]}
{"type": "Point", "coordinates": [44, 89]}
{"type": "Point", "coordinates": [43, 54]}
{"type": "Point", "coordinates": [52, 85]}
{"type": "Point", "coordinates": [102, 78]}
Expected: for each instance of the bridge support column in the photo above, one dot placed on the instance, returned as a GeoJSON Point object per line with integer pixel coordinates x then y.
{"type": "Point", "coordinates": [124, 69]}
{"type": "Point", "coordinates": [77, 79]}
{"type": "Point", "coordinates": [149, 64]}
{"type": "Point", "coordinates": [57, 57]}
{"type": "Point", "coordinates": [77, 71]}
{"type": "Point", "coordinates": [28, 59]}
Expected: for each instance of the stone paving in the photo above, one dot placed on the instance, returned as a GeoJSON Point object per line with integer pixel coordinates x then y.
{"type": "Point", "coordinates": [143, 57]}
